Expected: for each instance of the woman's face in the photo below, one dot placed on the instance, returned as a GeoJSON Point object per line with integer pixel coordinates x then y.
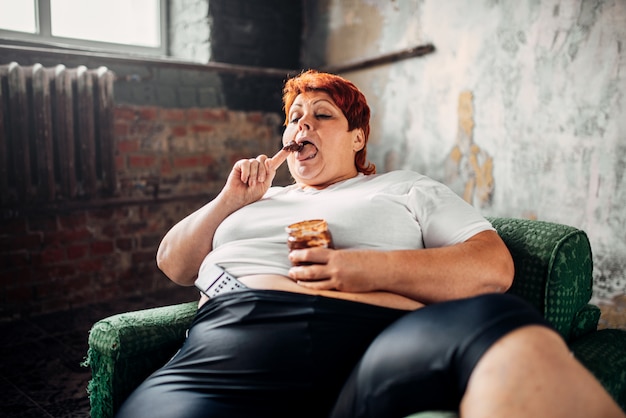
{"type": "Point", "coordinates": [329, 148]}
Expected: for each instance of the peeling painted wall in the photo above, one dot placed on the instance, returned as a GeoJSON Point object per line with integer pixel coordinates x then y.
{"type": "Point", "coordinates": [529, 95]}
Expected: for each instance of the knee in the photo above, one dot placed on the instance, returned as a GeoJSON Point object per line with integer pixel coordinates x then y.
{"type": "Point", "coordinates": [533, 343]}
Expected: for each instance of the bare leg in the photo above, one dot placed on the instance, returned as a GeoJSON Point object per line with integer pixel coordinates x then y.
{"type": "Point", "coordinates": [531, 373]}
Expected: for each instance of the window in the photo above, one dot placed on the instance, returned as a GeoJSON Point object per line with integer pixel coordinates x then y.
{"type": "Point", "coordinates": [18, 16]}
{"type": "Point", "coordinates": [113, 25]}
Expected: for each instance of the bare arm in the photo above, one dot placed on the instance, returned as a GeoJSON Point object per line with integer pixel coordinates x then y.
{"type": "Point", "coordinates": [185, 246]}
{"type": "Point", "coordinates": [482, 264]}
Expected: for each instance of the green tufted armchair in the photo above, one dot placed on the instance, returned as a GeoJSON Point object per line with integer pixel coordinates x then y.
{"type": "Point", "coordinates": [553, 269]}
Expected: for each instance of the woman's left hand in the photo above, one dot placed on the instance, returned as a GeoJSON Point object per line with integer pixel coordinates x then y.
{"type": "Point", "coordinates": [330, 269]}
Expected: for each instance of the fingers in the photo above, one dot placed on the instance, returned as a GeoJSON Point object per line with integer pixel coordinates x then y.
{"type": "Point", "coordinates": [331, 269]}
{"type": "Point", "coordinates": [253, 170]}
{"type": "Point", "coordinates": [279, 158]}
{"type": "Point", "coordinates": [257, 170]}
{"type": "Point", "coordinates": [307, 256]}
{"type": "Point", "coordinates": [244, 170]}
{"type": "Point", "coordinates": [312, 276]}
{"type": "Point", "coordinates": [310, 268]}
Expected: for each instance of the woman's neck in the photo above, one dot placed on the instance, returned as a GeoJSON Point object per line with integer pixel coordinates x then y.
{"type": "Point", "coordinates": [304, 186]}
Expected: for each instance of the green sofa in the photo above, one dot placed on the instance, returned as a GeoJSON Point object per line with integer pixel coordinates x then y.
{"type": "Point", "coordinates": [553, 267]}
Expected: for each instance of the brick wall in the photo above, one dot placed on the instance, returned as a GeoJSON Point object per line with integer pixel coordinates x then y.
{"type": "Point", "coordinates": [169, 162]}
{"type": "Point", "coordinates": [55, 260]}
{"type": "Point", "coordinates": [174, 152]}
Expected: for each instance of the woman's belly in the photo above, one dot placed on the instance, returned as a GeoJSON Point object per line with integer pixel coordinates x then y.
{"type": "Point", "coordinates": [276, 282]}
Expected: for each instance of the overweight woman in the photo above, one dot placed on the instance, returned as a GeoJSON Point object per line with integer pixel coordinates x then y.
{"type": "Point", "coordinates": [405, 312]}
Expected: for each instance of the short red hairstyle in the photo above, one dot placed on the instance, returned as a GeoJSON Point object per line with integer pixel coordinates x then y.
{"type": "Point", "coordinates": [345, 95]}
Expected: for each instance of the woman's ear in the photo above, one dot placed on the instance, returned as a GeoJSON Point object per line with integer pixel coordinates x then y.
{"type": "Point", "coordinates": [358, 140]}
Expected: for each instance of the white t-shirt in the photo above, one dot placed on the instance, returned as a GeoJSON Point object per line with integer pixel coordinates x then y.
{"type": "Point", "coordinates": [395, 210]}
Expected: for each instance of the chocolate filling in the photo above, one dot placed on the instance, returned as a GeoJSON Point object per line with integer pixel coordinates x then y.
{"type": "Point", "coordinates": [293, 146]}
{"type": "Point", "coordinates": [306, 150]}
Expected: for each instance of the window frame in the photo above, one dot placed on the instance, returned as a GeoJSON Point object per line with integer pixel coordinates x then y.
{"type": "Point", "coordinates": [44, 36]}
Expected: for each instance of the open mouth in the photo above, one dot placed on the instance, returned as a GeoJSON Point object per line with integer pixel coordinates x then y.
{"type": "Point", "coordinates": [305, 150]}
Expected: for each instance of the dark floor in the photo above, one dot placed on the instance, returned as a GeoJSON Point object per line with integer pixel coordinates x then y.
{"type": "Point", "coordinates": [40, 371]}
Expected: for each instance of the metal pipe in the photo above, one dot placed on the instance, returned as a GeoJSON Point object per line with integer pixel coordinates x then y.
{"type": "Point", "coordinates": [221, 67]}
{"type": "Point", "coordinates": [392, 57]}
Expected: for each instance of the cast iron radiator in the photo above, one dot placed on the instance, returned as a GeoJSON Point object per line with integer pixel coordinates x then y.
{"type": "Point", "coordinates": [56, 133]}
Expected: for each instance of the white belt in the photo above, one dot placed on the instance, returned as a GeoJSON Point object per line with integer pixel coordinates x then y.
{"type": "Point", "coordinates": [215, 281]}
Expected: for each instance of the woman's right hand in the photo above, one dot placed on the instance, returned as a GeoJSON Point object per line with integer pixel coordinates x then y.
{"type": "Point", "coordinates": [251, 178]}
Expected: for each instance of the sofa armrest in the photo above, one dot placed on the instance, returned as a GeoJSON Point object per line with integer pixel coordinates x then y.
{"type": "Point", "coordinates": [553, 270]}
{"type": "Point", "coordinates": [126, 348]}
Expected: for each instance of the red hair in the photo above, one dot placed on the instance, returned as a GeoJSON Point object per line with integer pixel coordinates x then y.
{"type": "Point", "coordinates": [345, 95]}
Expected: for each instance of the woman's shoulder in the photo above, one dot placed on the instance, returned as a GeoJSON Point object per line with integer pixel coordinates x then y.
{"type": "Point", "coordinates": [397, 176]}
{"type": "Point", "coordinates": [404, 181]}
{"type": "Point", "coordinates": [397, 182]}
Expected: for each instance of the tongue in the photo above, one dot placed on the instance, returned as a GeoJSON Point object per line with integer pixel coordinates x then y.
{"type": "Point", "coordinates": [307, 151]}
